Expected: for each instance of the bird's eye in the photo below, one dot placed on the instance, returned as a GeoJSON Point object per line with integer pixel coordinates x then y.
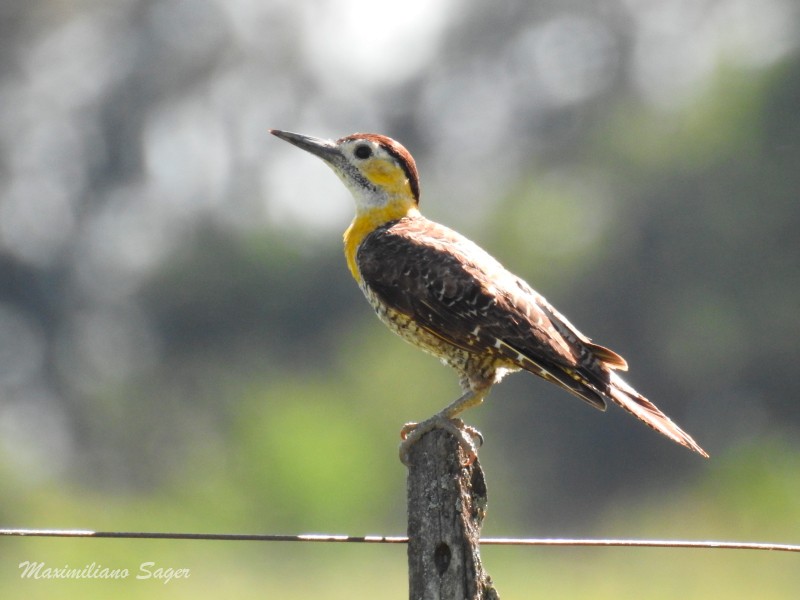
{"type": "Point", "coordinates": [363, 151]}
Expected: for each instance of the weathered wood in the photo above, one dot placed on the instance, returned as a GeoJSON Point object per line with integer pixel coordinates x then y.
{"type": "Point", "coordinates": [446, 507]}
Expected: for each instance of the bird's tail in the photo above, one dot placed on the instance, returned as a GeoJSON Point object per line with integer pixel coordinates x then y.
{"type": "Point", "coordinates": [639, 406]}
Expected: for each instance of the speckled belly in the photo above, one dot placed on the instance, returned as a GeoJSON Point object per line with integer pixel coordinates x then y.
{"type": "Point", "coordinates": [475, 370]}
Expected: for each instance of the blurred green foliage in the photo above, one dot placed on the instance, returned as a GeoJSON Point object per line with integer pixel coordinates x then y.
{"type": "Point", "coordinates": [748, 494]}
{"type": "Point", "coordinates": [260, 395]}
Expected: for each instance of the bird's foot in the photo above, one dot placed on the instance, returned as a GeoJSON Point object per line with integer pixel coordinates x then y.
{"type": "Point", "coordinates": [469, 438]}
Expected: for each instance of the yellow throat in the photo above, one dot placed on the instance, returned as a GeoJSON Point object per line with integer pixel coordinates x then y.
{"type": "Point", "coordinates": [367, 221]}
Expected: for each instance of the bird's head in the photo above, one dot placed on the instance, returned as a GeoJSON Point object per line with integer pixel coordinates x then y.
{"type": "Point", "coordinates": [378, 171]}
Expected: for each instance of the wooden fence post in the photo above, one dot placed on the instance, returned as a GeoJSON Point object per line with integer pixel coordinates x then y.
{"type": "Point", "coordinates": [446, 507]}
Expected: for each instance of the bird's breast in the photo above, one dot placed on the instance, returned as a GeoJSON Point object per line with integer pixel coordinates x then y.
{"type": "Point", "coordinates": [409, 329]}
{"type": "Point", "coordinates": [367, 222]}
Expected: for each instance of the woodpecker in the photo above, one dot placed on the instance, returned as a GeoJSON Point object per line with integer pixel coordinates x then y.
{"type": "Point", "coordinates": [444, 294]}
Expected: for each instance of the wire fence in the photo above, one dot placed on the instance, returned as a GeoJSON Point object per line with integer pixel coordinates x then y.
{"type": "Point", "coordinates": [379, 539]}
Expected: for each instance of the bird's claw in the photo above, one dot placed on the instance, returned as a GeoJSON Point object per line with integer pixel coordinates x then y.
{"type": "Point", "coordinates": [469, 438]}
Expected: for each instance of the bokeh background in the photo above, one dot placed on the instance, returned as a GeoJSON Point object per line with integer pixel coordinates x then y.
{"type": "Point", "coordinates": [182, 348]}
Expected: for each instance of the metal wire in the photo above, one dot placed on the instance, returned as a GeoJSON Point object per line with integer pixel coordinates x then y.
{"type": "Point", "coordinates": [379, 539]}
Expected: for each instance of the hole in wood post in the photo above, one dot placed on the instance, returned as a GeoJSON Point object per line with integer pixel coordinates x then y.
{"type": "Point", "coordinates": [441, 558]}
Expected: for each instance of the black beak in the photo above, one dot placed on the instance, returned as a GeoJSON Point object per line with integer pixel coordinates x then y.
{"type": "Point", "coordinates": [327, 150]}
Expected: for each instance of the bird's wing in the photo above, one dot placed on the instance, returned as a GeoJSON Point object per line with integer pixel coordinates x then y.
{"type": "Point", "coordinates": [459, 293]}
{"type": "Point", "coordinates": [455, 290]}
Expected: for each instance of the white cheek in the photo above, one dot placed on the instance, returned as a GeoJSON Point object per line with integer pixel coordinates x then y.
{"type": "Point", "coordinates": [365, 199]}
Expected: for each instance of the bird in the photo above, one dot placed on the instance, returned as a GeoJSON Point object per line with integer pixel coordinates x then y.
{"type": "Point", "coordinates": [444, 294]}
